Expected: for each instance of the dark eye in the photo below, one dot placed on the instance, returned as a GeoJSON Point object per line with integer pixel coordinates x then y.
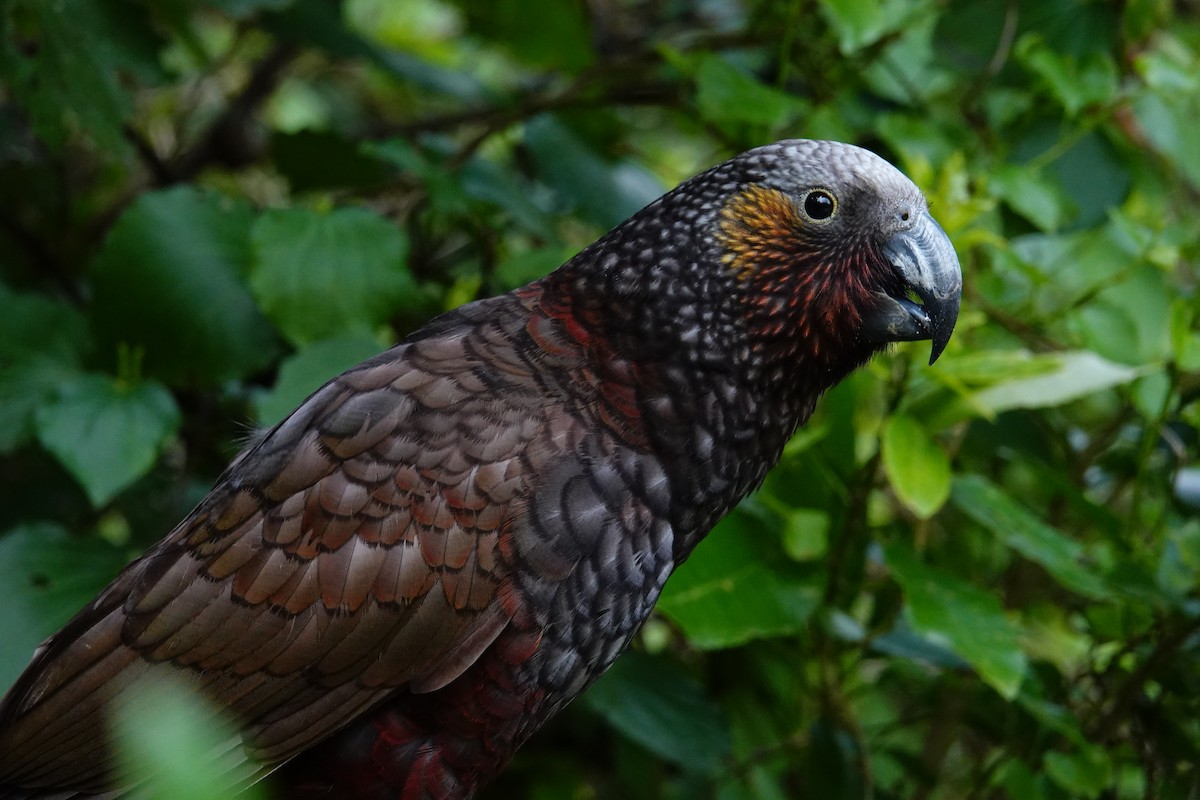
{"type": "Point", "coordinates": [819, 204]}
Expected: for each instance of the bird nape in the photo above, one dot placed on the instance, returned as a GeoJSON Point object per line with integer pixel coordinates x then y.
{"type": "Point", "coordinates": [446, 544]}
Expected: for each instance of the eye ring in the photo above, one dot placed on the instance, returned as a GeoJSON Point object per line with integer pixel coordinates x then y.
{"type": "Point", "coordinates": [820, 205]}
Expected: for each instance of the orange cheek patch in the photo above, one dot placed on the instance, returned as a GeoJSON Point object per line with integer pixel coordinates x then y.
{"type": "Point", "coordinates": [758, 228]}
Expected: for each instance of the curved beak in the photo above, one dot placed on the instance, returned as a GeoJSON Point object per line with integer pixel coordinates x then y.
{"type": "Point", "coordinates": [925, 259]}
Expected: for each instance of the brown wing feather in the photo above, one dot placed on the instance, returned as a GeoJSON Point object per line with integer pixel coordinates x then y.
{"type": "Point", "coordinates": [352, 551]}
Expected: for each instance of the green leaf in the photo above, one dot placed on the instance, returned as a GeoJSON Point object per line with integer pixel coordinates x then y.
{"type": "Point", "coordinates": [107, 434]}
{"type": "Point", "coordinates": [1076, 82]}
{"type": "Point", "coordinates": [560, 37]}
{"type": "Point", "coordinates": [172, 742]}
{"type": "Point", "coordinates": [46, 576]}
{"type": "Point", "coordinates": [1018, 528]}
{"type": "Point", "coordinates": [24, 388]}
{"type": "Point", "coordinates": [606, 193]}
{"type": "Point", "coordinates": [1067, 376]}
{"type": "Point", "coordinates": [303, 373]}
{"type": "Point", "coordinates": [726, 94]}
{"type": "Point", "coordinates": [321, 275]}
{"type": "Point", "coordinates": [169, 283]}
{"type": "Point", "coordinates": [38, 327]}
{"type": "Point", "coordinates": [860, 23]}
{"type": "Point", "coordinates": [916, 467]}
{"type": "Point", "coordinates": [1166, 123]}
{"type": "Point", "coordinates": [656, 704]}
{"type": "Point", "coordinates": [806, 534]}
{"type": "Point", "coordinates": [70, 81]}
{"type": "Point", "coordinates": [1179, 565]}
{"type": "Point", "coordinates": [1033, 195]}
{"type": "Point", "coordinates": [730, 591]}
{"type": "Point", "coordinates": [507, 191]}
{"type": "Point", "coordinates": [972, 621]}
{"type": "Point", "coordinates": [1086, 773]}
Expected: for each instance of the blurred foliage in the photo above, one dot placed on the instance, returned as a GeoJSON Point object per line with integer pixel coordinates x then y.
{"type": "Point", "coordinates": [976, 580]}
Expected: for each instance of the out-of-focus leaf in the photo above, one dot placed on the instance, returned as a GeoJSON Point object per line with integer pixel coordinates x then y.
{"type": "Point", "coordinates": [1068, 376]}
{"type": "Point", "coordinates": [442, 185]}
{"type": "Point", "coordinates": [1032, 195]}
{"type": "Point", "coordinates": [321, 275]}
{"type": "Point", "coordinates": [806, 534]}
{"type": "Point", "coordinates": [422, 27]}
{"type": "Point", "coordinates": [916, 467]}
{"type": "Point", "coordinates": [1077, 83]}
{"type": "Point", "coordinates": [320, 24]}
{"type": "Point", "coordinates": [1049, 634]}
{"type": "Point", "coordinates": [172, 742]}
{"type": "Point", "coordinates": [71, 80]}
{"type": "Point", "coordinates": [35, 326]}
{"type": "Point", "coordinates": [1171, 100]}
{"type": "Point", "coordinates": [726, 94]}
{"type": "Point", "coordinates": [169, 284]}
{"type": "Point", "coordinates": [730, 591]}
{"type": "Point", "coordinates": [902, 641]}
{"type": "Point", "coordinates": [529, 265]}
{"type": "Point", "coordinates": [860, 24]}
{"type": "Point", "coordinates": [42, 342]}
{"type": "Point", "coordinates": [46, 576]}
{"type": "Point", "coordinates": [653, 702]}
{"type": "Point", "coordinates": [489, 182]}
{"type": "Point", "coordinates": [560, 37]}
{"type": "Point", "coordinates": [972, 620]}
{"type": "Point", "coordinates": [1085, 773]}
{"type": "Point", "coordinates": [24, 388]}
{"type": "Point", "coordinates": [606, 193]}
{"type": "Point", "coordinates": [303, 373]}
{"type": "Point", "coordinates": [1129, 321]}
{"type": "Point", "coordinates": [1179, 565]}
{"type": "Point", "coordinates": [105, 432]}
{"type": "Point", "coordinates": [1014, 525]}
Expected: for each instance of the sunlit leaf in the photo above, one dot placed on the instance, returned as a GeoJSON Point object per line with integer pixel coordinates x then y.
{"type": "Point", "coordinates": [172, 742]}
{"type": "Point", "coordinates": [916, 467]}
{"type": "Point", "coordinates": [1069, 376]}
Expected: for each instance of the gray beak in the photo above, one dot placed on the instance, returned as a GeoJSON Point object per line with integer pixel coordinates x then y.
{"type": "Point", "coordinates": [925, 259]}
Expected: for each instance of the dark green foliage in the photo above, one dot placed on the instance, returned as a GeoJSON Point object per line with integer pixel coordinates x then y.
{"type": "Point", "coordinates": [976, 580]}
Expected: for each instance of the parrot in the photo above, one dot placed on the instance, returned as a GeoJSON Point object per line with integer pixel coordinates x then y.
{"type": "Point", "coordinates": [392, 589]}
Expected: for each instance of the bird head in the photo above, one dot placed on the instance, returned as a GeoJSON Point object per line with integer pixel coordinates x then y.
{"type": "Point", "coordinates": [836, 250]}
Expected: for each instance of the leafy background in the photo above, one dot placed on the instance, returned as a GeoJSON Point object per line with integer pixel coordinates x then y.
{"type": "Point", "coordinates": [976, 580]}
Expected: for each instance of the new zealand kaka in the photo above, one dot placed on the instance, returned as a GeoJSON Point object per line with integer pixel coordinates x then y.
{"type": "Point", "coordinates": [446, 544]}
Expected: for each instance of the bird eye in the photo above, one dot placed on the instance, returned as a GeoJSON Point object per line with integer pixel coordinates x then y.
{"type": "Point", "coordinates": [819, 204]}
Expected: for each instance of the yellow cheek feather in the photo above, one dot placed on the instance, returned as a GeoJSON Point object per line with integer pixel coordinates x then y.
{"type": "Point", "coordinates": [758, 228]}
